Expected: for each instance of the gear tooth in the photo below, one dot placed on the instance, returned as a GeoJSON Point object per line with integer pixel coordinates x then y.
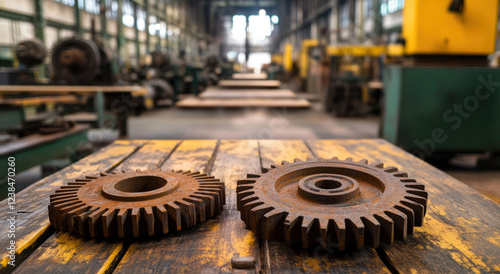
{"type": "Point", "coordinates": [245, 211]}
{"type": "Point", "coordinates": [138, 170]}
{"type": "Point", "coordinates": [209, 204]}
{"type": "Point", "coordinates": [355, 232]}
{"type": "Point", "coordinates": [135, 217]}
{"type": "Point", "coordinates": [340, 233]}
{"type": "Point", "coordinates": [245, 197]}
{"type": "Point", "coordinates": [174, 216]}
{"type": "Point", "coordinates": [400, 174]}
{"type": "Point", "coordinates": [200, 208]}
{"type": "Point", "coordinates": [255, 219]}
{"type": "Point", "coordinates": [216, 195]}
{"type": "Point", "coordinates": [410, 216]}
{"type": "Point", "coordinates": [106, 219]}
{"type": "Point", "coordinates": [188, 213]}
{"type": "Point", "coordinates": [246, 182]}
{"type": "Point", "coordinates": [292, 228]}
{"type": "Point", "coordinates": [103, 174]}
{"type": "Point", "coordinates": [82, 221]}
{"type": "Point", "coordinates": [309, 231]}
{"type": "Point", "coordinates": [418, 211]}
{"type": "Point", "coordinates": [419, 193]}
{"type": "Point", "coordinates": [296, 160]}
{"type": "Point", "coordinates": [415, 186]}
{"type": "Point", "coordinates": [194, 173]}
{"type": "Point", "coordinates": [265, 170]}
{"type": "Point", "coordinates": [162, 217]}
{"type": "Point", "coordinates": [124, 171]}
{"type": "Point", "coordinates": [186, 172]}
{"type": "Point", "coordinates": [335, 158]}
{"type": "Point", "coordinates": [400, 223]}
{"type": "Point", "coordinates": [284, 163]}
{"type": "Point", "coordinates": [349, 159]}
{"type": "Point", "coordinates": [93, 222]}
{"type": "Point", "coordinates": [273, 166]}
{"type": "Point", "coordinates": [82, 180]}
{"type": "Point", "coordinates": [150, 219]}
{"type": "Point", "coordinates": [417, 199]}
{"type": "Point", "coordinates": [273, 225]}
{"type": "Point", "coordinates": [378, 165]}
{"type": "Point", "coordinates": [390, 169]}
{"type": "Point", "coordinates": [372, 231]}
{"type": "Point", "coordinates": [363, 161]}
{"type": "Point", "coordinates": [121, 216]}
{"type": "Point", "coordinates": [91, 177]}
{"type": "Point", "coordinates": [386, 228]}
{"type": "Point", "coordinates": [252, 175]}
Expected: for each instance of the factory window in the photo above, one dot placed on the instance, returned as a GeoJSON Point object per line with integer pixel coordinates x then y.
{"type": "Point", "coordinates": [368, 8]}
{"type": "Point", "coordinates": [259, 26]}
{"type": "Point", "coordinates": [344, 15]}
{"type": "Point", "coordinates": [239, 27]}
{"type": "Point", "coordinates": [111, 9]}
{"type": "Point", "coordinates": [91, 6]}
{"type": "Point", "coordinates": [141, 19]}
{"type": "Point", "coordinates": [128, 13]}
{"type": "Point", "coordinates": [391, 6]}
{"type": "Point", "coordinates": [66, 2]}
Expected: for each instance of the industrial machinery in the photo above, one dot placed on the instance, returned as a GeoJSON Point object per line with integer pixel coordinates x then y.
{"type": "Point", "coordinates": [351, 72]}
{"type": "Point", "coordinates": [77, 61]}
{"type": "Point", "coordinates": [213, 71]}
{"type": "Point", "coordinates": [142, 203]}
{"type": "Point", "coordinates": [443, 80]}
{"type": "Point", "coordinates": [29, 53]}
{"type": "Point", "coordinates": [336, 203]}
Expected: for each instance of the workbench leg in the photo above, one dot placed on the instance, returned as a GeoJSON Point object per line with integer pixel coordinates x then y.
{"type": "Point", "coordinates": [99, 108]}
{"type": "Point", "coordinates": [122, 123]}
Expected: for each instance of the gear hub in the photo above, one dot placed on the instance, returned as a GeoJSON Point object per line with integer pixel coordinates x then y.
{"type": "Point", "coordinates": [334, 203]}
{"type": "Point", "coordinates": [142, 203]}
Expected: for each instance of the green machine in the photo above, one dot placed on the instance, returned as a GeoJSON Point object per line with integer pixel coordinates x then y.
{"type": "Point", "coordinates": [442, 109]}
{"type": "Point", "coordinates": [441, 96]}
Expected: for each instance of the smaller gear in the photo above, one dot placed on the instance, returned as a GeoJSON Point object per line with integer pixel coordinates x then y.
{"type": "Point", "coordinates": [142, 203]}
{"type": "Point", "coordinates": [337, 204]}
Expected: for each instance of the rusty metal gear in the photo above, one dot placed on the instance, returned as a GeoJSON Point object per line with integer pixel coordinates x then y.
{"type": "Point", "coordinates": [334, 203]}
{"type": "Point", "coordinates": [142, 203]}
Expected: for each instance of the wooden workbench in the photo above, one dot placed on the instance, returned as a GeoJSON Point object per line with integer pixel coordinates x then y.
{"type": "Point", "coordinates": [461, 233]}
{"type": "Point", "coordinates": [249, 84]}
{"type": "Point", "coordinates": [96, 91]}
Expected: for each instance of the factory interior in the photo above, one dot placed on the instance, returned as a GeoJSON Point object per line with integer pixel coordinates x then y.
{"type": "Point", "coordinates": [232, 88]}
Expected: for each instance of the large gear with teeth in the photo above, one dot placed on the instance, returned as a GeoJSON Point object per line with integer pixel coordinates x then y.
{"type": "Point", "coordinates": [133, 204]}
{"type": "Point", "coordinates": [337, 204]}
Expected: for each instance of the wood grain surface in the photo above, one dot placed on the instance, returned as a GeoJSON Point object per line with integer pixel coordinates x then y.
{"type": "Point", "coordinates": [461, 233]}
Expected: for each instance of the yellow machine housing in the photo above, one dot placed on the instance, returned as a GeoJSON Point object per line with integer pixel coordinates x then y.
{"type": "Point", "coordinates": [429, 28]}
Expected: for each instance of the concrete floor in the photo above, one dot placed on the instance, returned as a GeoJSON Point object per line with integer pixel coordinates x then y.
{"type": "Point", "coordinates": [173, 123]}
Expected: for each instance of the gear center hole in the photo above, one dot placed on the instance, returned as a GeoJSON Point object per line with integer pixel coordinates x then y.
{"type": "Point", "coordinates": [141, 184]}
{"type": "Point", "coordinates": [328, 184]}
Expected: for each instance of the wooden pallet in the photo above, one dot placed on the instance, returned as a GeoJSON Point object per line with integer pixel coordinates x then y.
{"type": "Point", "coordinates": [460, 233]}
{"type": "Point", "coordinates": [246, 84]}
{"type": "Point", "coordinates": [249, 76]}
{"type": "Point", "coordinates": [214, 93]}
{"type": "Point", "coordinates": [193, 102]}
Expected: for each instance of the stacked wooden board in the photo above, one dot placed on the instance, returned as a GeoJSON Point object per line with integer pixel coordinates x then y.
{"type": "Point", "coordinates": [245, 93]}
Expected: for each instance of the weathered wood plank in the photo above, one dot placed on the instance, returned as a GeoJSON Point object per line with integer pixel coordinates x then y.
{"type": "Point", "coordinates": [191, 155]}
{"type": "Point", "coordinates": [193, 102]}
{"type": "Point", "coordinates": [210, 246]}
{"type": "Point", "coordinates": [32, 222]}
{"type": "Point", "coordinates": [461, 231]}
{"type": "Point", "coordinates": [63, 253]}
{"type": "Point", "coordinates": [283, 258]}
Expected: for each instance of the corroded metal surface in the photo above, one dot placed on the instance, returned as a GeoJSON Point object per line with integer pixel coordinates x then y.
{"type": "Point", "coordinates": [31, 52]}
{"type": "Point", "coordinates": [334, 203]}
{"type": "Point", "coordinates": [136, 204]}
{"type": "Point", "coordinates": [75, 60]}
